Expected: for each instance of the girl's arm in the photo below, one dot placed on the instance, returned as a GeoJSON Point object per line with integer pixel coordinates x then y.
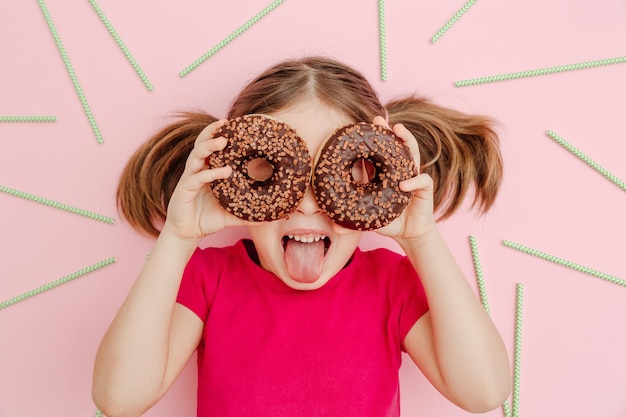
{"type": "Point", "coordinates": [455, 344]}
{"type": "Point", "coordinates": [152, 337]}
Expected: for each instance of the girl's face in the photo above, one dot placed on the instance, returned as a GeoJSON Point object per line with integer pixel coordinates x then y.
{"type": "Point", "coordinates": [307, 249]}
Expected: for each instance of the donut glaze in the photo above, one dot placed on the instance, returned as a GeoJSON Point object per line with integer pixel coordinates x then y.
{"type": "Point", "coordinates": [243, 194]}
{"type": "Point", "coordinates": [370, 204]}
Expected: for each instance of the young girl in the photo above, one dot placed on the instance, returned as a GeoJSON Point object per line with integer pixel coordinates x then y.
{"type": "Point", "coordinates": [281, 327]}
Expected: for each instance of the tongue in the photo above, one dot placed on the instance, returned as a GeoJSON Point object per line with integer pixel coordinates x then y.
{"type": "Point", "coordinates": [304, 260]}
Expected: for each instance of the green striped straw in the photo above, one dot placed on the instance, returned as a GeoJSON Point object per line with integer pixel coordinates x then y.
{"type": "Point", "coordinates": [517, 351]}
{"type": "Point", "coordinates": [542, 71]}
{"type": "Point", "coordinates": [55, 204]}
{"type": "Point", "coordinates": [121, 44]}
{"type": "Point", "coordinates": [382, 40]}
{"type": "Point", "coordinates": [27, 119]}
{"type": "Point", "coordinates": [580, 155]}
{"type": "Point", "coordinates": [563, 262]}
{"type": "Point", "coordinates": [452, 21]}
{"type": "Point", "coordinates": [231, 37]}
{"type": "Point", "coordinates": [506, 409]}
{"type": "Point", "coordinates": [479, 274]}
{"type": "Point", "coordinates": [53, 284]}
{"type": "Point", "coordinates": [70, 70]}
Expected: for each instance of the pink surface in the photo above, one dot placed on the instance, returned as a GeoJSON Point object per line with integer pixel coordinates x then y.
{"type": "Point", "coordinates": [573, 340]}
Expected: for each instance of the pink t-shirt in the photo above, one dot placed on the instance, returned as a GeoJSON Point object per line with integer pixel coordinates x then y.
{"type": "Point", "coordinates": [269, 350]}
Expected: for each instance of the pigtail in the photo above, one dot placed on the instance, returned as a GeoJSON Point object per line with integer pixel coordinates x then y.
{"type": "Point", "coordinates": [457, 150]}
{"type": "Point", "coordinates": [150, 176]}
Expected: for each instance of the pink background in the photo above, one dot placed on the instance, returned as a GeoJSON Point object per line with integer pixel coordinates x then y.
{"type": "Point", "coordinates": [573, 344]}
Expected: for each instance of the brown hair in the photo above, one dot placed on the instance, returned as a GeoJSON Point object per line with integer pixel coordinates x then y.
{"type": "Point", "coordinates": [456, 149]}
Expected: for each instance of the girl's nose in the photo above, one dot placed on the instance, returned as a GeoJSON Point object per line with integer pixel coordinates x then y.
{"type": "Point", "coordinates": [308, 205]}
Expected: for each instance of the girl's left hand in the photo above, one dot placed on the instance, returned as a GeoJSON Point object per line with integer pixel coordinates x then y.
{"type": "Point", "coordinates": [418, 218]}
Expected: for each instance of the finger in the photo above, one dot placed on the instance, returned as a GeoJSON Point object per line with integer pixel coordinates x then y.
{"type": "Point", "coordinates": [419, 182]}
{"type": "Point", "coordinates": [201, 151]}
{"type": "Point", "coordinates": [410, 142]}
{"type": "Point", "coordinates": [380, 121]}
{"type": "Point", "coordinates": [196, 161]}
{"type": "Point", "coordinates": [196, 181]}
{"type": "Point", "coordinates": [197, 158]}
{"type": "Point", "coordinates": [209, 131]}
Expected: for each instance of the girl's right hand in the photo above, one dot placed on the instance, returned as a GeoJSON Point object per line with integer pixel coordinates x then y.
{"type": "Point", "coordinates": [193, 212]}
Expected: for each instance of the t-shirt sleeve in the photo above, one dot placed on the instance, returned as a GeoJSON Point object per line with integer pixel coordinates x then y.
{"type": "Point", "coordinates": [196, 289]}
{"type": "Point", "coordinates": [410, 297]}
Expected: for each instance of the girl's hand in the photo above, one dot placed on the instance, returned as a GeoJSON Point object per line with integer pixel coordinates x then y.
{"type": "Point", "coordinates": [418, 218]}
{"type": "Point", "coordinates": [193, 212]}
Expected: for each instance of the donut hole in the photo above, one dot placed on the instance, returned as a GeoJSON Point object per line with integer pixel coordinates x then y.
{"type": "Point", "coordinates": [259, 169]}
{"type": "Point", "coordinates": [363, 171]}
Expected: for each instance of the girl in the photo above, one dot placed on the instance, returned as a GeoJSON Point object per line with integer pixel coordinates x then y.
{"type": "Point", "coordinates": [282, 326]}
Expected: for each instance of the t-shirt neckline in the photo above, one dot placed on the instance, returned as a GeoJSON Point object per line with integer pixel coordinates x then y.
{"type": "Point", "coordinates": [248, 250]}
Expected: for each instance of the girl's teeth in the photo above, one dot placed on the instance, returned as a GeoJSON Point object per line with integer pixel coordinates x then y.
{"type": "Point", "coordinates": [305, 239]}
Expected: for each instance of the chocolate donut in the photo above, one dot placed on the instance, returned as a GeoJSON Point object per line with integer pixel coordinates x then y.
{"type": "Point", "coordinates": [271, 168]}
{"type": "Point", "coordinates": [364, 203]}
